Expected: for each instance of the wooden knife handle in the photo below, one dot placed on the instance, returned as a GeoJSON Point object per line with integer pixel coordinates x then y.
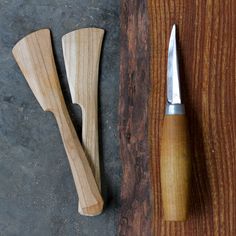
{"type": "Point", "coordinates": [91, 202]}
{"type": "Point", "coordinates": [175, 167]}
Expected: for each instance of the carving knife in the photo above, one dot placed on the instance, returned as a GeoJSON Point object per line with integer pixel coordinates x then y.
{"type": "Point", "coordinates": [175, 148]}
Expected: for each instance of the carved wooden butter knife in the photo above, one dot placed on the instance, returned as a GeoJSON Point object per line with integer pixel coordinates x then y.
{"type": "Point", "coordinates": [35, 58]}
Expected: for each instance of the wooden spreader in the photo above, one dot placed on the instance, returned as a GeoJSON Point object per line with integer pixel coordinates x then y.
{"type": "Point", "coordinates": [81, 50]}
{"type": "Point", "coordinates": [35, 58]}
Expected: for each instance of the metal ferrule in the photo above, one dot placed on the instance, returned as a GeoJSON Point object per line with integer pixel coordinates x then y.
{"type": "Point", "coordinates": [175, 109]}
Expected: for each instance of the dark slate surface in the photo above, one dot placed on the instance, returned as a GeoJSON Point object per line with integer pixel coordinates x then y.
{"type": "Point", "coordinates": [37, 193]}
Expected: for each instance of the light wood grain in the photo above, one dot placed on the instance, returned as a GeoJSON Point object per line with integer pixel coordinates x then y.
{"type": "Point", "coordinates": [81, 50]}
{"type": "Point", "coordinates": [175, 166]}
{"type": "Point", "coordinates": [35, 58]}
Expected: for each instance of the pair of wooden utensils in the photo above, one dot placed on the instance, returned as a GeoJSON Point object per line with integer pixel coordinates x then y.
{"type": "Point", "coordinates": [81, 50]}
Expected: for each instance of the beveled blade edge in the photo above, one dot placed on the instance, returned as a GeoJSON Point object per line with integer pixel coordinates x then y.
{"type": "Point", "coordinates": [173, 84]}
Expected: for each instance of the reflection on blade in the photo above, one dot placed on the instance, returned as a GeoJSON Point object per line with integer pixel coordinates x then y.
{"type": "Point", "coordinates": [173, 86]}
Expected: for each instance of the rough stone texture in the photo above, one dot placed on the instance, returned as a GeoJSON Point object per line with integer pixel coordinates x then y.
{"type": "Point", "coordinates": [37, 193]}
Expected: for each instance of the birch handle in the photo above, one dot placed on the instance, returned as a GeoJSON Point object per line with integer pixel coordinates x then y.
{"type": "Point", "coordinates": [175, 168]}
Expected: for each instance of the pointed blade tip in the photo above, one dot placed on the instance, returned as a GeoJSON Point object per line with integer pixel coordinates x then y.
{"type": "Point", "coordinates": [173, 31]}
{"type": "Point", "coordinates": [173, 87]}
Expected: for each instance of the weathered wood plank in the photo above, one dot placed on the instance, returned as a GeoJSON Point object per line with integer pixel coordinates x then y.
{"type": "Point", "coordinates": [135, 218]}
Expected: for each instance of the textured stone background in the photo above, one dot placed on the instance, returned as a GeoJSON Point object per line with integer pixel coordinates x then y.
{"type": "Point", "coordinates": [37, 193]}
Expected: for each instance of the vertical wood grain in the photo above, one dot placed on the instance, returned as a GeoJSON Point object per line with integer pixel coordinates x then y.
{"type": "Point", "coordinates": [207, 33]}
{"type": "Point", "coordinates": [81, 50]}
{"type": "Point", "coordinates": [135, 216]}
{"type": "Point", "coordinates": [175, 168]}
